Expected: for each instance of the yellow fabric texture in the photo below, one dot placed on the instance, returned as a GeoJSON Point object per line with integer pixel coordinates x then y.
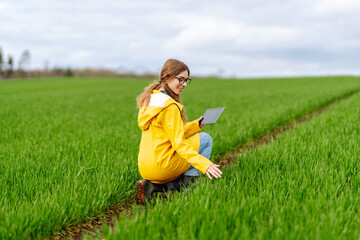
{"type": "Point", "coordinates": [166, 148]}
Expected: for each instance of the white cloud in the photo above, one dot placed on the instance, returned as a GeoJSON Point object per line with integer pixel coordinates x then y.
{"type": "Point", "coordinates": [245, 37]}
{"type": "Point", "coordinates": [208, 33]}
{"type": "Point", "coordinates": [80, 55]}
{"type": "Point", "coordinates": [4, 6]}
{"type": "Point", "coordinates": [336, 6]}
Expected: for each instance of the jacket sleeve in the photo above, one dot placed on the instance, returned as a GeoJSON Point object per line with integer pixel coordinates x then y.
{"type": "Point", "coordinates": [191, 128]}
{"type": "Point", "coordinates": [174, 129]}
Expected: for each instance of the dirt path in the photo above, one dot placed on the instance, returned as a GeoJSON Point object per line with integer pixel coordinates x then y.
{"type": "Point", "coordinates": [77, 231]}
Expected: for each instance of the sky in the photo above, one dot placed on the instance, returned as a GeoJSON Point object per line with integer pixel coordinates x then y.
{"type": "Point", "coordinates": [240, 38]}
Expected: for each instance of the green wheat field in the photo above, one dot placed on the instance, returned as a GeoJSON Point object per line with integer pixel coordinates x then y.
{"type": "Point", "coordinates": [68, 152]}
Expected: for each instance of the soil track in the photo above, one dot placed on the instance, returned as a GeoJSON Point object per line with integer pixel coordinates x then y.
{"type": "Point", "coordinates": [77, 231]}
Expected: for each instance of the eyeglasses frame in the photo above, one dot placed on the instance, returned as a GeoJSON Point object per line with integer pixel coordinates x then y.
{"type": "Point", "coordinates": [182, 80]}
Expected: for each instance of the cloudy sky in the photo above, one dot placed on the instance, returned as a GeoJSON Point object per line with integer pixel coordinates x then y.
{"type": "Point", "coordinates": [243, 38]}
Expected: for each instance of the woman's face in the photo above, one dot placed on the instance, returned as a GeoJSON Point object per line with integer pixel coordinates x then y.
{"type": "Point", "coordinates": [175, 85]}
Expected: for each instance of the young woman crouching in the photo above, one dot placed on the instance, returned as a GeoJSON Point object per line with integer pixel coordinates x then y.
{"type": "Point", "coordinates": [172, 153]}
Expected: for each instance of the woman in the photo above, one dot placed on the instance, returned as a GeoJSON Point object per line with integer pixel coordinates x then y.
{"type": "Point", "coordinates": [170, 151]}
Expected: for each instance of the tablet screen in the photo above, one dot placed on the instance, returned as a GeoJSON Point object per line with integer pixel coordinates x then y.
{"type": "Point", "coordinates": [211, 115]}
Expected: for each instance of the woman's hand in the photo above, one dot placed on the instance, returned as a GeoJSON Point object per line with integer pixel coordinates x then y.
{"type": "Point", "coordinates": [214, 171]}
{"type": "Point", "coordinates": [199, 120]}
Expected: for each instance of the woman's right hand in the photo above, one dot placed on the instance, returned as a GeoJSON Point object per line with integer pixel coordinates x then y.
{"type": "Point", "coordinates": [214, 171]}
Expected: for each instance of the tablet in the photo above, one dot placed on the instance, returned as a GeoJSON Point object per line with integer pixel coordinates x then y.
{"type": "Point", "coordinates": [211, 115]}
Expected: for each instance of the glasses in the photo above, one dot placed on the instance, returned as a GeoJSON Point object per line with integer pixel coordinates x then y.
{"type": "Point", "coordinates": [184, 80]}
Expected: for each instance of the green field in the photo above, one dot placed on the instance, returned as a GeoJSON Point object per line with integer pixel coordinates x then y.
{"type": "Point", "coordinates": [68, 148]}
{"type": "Point", "coordinates": [304, 185]}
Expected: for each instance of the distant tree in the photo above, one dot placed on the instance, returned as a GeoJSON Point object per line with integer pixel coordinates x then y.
{"type": "Point", "coordinates": [57, 71]}
{"type": "Point", "coordinates": [10, 67]}
{"type": "Point", "coordinates": [69, 72]}
{"type": "Point", "coordinates": [24, 62]}
{"type": "Point", "coordinates": [1, 63]}
{"type": "Point", "coordinates": [45, 71]}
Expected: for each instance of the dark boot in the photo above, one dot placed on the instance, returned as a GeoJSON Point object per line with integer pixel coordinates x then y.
{"type": "Point", "coordinates": [145, 189]}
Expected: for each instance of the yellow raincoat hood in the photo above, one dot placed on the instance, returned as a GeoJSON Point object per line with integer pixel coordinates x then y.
{"type": "Point", "coordinates": [145, 117]}
{"type": "Point", "coordinates": [166, 148]}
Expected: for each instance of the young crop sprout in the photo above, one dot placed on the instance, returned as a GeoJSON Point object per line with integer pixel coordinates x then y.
{"type": "Point", "coordinates": [168, 159]}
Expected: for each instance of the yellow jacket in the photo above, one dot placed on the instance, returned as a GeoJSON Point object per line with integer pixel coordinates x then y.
{"type": "Point", "coordinates": [164, 152]}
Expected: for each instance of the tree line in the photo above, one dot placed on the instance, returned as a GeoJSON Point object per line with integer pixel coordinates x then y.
{"type": "Point", "coordinates": [9, 69]}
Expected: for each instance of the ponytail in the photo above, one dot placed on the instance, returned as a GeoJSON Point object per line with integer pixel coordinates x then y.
{"type": "Point", "coordinates": [144, 98]}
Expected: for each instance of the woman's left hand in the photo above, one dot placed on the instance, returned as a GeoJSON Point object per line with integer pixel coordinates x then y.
{"type": "Point", "coordinates": [199, 119]}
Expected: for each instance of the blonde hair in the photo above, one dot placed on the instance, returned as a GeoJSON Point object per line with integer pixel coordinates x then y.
{"type": "Point", "coordinates": [170, 69]}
